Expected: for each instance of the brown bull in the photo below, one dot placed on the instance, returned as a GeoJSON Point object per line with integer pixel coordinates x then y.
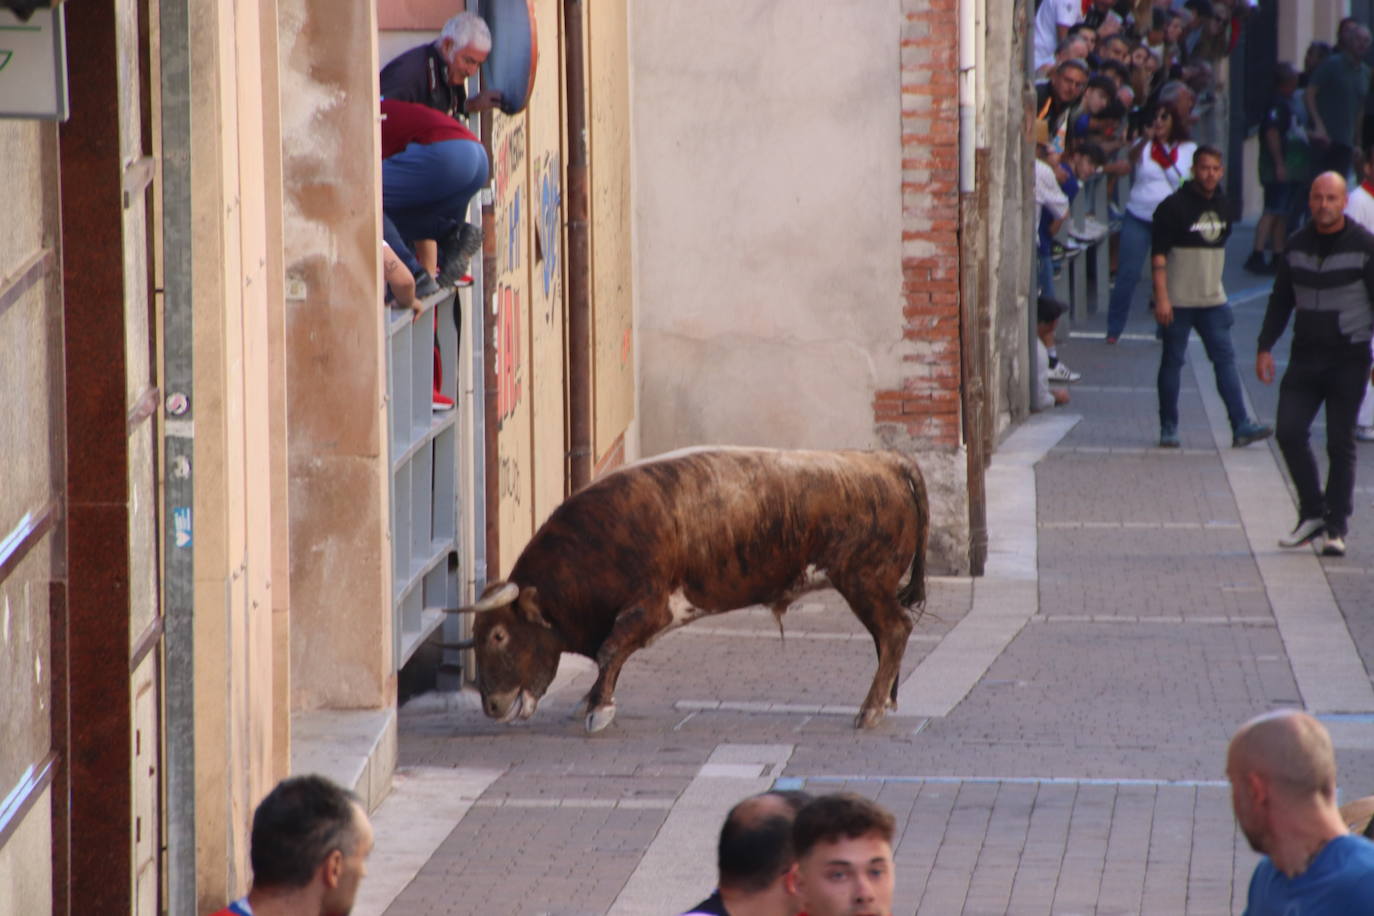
{"type": "Point", "coordinates": [660, 543]}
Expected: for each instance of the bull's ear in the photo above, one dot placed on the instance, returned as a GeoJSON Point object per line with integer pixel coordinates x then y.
{"type": "Point", "coordinates": [496, 595]}
{"type": "Point", "coordinates": [528, 606]}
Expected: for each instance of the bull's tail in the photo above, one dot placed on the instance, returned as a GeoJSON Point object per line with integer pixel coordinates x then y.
{"type": "Point", "coordinates": [913, 594]}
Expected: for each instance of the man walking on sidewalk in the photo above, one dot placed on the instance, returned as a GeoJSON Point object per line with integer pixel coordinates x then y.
{"type": "Point", "coordinates": [1282, 770]}
{"type": "Point", "coordinates": [1327, 277]}
{"type": "Point", "coordinates": [1188, 252]}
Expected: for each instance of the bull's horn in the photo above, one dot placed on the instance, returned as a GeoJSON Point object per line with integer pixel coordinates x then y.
{"type": "Point", "coordinates": [503, 596]}
{"type": "Point", "coordinates": [458, 646]}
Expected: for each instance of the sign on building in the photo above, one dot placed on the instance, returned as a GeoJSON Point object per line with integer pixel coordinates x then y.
{"type": "Point", "coordinates": [33, 65]}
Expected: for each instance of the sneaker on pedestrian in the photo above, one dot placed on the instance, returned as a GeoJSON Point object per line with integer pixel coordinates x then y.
{"type": "Point", "coordinates": [1168, 437]}
{"type": "Point", "coordinates": [1364, 433]}
{"type": "Point", "coordinates": [1091, 230]}
{"type": "Point", "coordinates": [1250, 431]}
{"type": "Point", "coordinates": [425, 285]}
{"type": "Point", "coordinates": [455, 250]}
{"type": "Point", "coordinates": [1256, 263]}
{"type": "Point", "coordinates": [442, 401]}
{"type": "Point", "coordinates": [1062, 373]}
{"type": "Point", "coordinates": [1333, 545]}
{"type": "Point", "coordinates": [1306, 530]}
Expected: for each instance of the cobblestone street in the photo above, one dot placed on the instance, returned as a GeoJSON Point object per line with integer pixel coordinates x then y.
{"type": "Point", "coordinates": [1133, 614]}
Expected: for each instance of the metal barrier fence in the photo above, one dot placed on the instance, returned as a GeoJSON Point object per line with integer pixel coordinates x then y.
{"type": "Point", "coordinates": [1083, 279]}
{"type": "Point", "coordinates": [426, 509]}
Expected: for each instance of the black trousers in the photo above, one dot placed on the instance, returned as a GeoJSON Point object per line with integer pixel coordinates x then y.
{"type": "Point", "coordinates": [1338, 382]}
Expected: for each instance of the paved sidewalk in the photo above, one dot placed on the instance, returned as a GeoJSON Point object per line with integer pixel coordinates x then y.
{"type": "Point", "coordinates": [1063, 720]}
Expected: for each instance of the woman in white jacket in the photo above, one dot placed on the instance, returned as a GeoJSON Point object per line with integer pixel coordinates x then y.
{"type": "Point", "coordinates": [1163, 161]}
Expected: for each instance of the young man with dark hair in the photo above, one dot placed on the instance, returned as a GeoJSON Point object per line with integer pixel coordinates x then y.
{"type": "Point", "coordinates": [843, 844]}
{"type": "Point", "coordinates": [753, 857]}
{"type": "Point", "coordinates": [1188, 252]}
{"type": "Point", "coordinates": [309, 850]}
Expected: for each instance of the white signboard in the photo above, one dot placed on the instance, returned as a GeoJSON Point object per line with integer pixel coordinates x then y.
{"type": "Point", "coordinates": [33, 65]}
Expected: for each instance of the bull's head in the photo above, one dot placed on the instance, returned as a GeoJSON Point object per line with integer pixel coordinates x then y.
{"type": "Point", "coordinates": [517, 650]}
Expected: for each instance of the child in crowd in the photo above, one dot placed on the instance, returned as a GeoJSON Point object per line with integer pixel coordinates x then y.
{"type": "Point", "coordinates": [1047, 315]}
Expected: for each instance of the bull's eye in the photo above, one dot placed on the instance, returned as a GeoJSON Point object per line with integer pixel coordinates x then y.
{"type": "Point", "coordinates": [498, 636]}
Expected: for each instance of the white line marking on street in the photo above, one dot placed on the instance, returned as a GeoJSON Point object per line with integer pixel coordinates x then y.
{"type": "Point", "coordinates": [772, 634]}
{"type": "Point", "coordinates": [1025, 780]}
{"type": "Point", "coordinates": [1172, 620]}
{"type": "Point", "coordinates": [1172, 526]}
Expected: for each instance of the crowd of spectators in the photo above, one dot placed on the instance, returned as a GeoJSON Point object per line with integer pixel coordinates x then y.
{"type": "Point", "coordinates": [1119, 84]}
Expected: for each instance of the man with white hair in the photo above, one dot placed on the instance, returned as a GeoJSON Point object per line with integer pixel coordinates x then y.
{"type": "Point", "coordinates": [433, 74]}
{"type": "Point", "coordinates": [1282, 770]}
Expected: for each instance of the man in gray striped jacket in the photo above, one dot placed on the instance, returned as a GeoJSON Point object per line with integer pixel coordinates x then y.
{"type": "Point", "coordinates": [1326, 278]}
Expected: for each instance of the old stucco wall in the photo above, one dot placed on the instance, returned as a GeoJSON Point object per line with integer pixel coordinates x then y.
{"type": "Point", "coordinates": [340, 582]}
{"type": "Point", "coordinates": [767, 218]}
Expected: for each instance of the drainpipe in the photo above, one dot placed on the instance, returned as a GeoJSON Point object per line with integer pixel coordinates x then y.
{"type": "Point", "coordinates": [579, 255]}
{"type": "Point", "coordinates": [486, 323]}
{"type": "Point", "coordinates": [972, 227]}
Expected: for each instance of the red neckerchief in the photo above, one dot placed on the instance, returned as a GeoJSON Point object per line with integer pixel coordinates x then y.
{"type": "Point", "coordinates": [1167, 157]}
{"type": "Point", "coordinates": [1368, 187]}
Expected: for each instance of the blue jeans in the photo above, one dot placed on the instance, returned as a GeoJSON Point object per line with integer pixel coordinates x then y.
{"type": "Point", "coordinates": [1045, 274]}
{"type": "Point", "coordinates": [426, 189]}
{"type": "Point", "coordinates": [1214, 327]}
{"type": "Point", "coordinates": [1131, 252]}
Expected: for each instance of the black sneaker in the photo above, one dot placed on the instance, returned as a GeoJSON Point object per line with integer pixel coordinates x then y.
{"type": "Point", "coordinates": [455, 250]}
{"type": "Point", "coordinates": [425, 285]}
{"type": "Point", "coordinates": [1306, 530]}
{"type": "Point", "coordinates": [1256, 263]}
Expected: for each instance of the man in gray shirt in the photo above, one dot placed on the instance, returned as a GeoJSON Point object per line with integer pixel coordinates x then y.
{"type": "Point", "coordinates": [1335, 97]}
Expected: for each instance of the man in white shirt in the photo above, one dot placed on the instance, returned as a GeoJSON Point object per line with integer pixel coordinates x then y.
{"type": "Point", "coordinates": [1052, 23]}
{"type": "Point", "coordinates": [1360, 208]}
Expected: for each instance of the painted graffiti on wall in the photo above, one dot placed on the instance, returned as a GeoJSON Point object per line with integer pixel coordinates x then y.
{"type": "Point", "coordinates": [547, 226]}
{"type": "Point", "coordinates": [510, 191]}
{"type": "Point", "coordinates": [510, 479]}
{"type": "Point", "coordinates": [509, 364]}
{"type": "Point", "coordinates": [510, 157]}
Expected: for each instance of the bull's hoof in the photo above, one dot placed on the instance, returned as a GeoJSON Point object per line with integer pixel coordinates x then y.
{"type": "Point", "coordinates": [870, 718]}
{"type": "Point", "coordinates": [600, 717]}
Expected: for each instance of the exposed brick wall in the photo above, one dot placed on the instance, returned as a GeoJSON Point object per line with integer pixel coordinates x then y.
{"type": "Point", "coordinates": [926, 406]}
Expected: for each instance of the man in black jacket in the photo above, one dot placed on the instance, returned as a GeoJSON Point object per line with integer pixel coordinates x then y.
{"type": "Point", "coordinates": [1326, 276]}
{"type": "Point", "coordinates": [1188, 251]}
